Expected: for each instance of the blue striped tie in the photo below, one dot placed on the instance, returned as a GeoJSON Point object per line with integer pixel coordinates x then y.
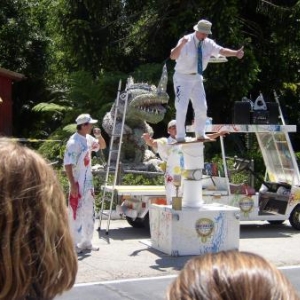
{"type": "Point", "coordinates": [200, 70]}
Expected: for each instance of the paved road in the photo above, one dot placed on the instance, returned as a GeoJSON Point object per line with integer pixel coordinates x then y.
{"type": "Point", "coordinates": [125, 255]}
{"type": "Point", "coordinates": [143, 288]}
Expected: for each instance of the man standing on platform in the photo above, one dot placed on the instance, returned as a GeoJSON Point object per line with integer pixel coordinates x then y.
{"type": "Point", "coordinates": [192, 55]}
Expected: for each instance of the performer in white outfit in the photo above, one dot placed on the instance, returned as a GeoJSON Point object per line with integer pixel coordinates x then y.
{"type": "Point", "coordinates": [173, 157]}
{"type": "Point", "coordinates": [77, 162]}
{"type": "Point", "coordinates": [192, 54]}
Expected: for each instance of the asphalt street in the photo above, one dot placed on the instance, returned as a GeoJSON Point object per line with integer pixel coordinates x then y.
{"type": "Point", "coordinates": [127, 268]}
{"type": "Point", "coordinates": [143, 288]}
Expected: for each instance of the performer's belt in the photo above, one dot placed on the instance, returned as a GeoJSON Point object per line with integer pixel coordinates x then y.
{"type": "Point", "coordinates": [187, 73]}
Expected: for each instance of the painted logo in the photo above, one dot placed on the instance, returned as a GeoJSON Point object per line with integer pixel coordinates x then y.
{"type": "Point", "coordinates": [204, 228]}
{"type": "Point", "coordinates": [246, 205]}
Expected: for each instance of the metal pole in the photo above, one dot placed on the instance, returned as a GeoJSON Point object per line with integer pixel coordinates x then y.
{"type": "Point", "coordinates": [224, 163]}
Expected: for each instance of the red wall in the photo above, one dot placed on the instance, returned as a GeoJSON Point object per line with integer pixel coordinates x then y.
{"type": "Point", "coordinates": [5, 106]}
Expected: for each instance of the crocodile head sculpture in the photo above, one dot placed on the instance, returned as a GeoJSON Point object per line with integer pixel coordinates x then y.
{"type": "Point", "coordinates": [145, 103]}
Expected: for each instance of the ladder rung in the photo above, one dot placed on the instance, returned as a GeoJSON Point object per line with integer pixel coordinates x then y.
{"type": "Point", "coordinates": [113, 150]}
{"type": "Point", "coordinates": [107, 199]}
{"type": "Point", "coordinates": [104, 213]}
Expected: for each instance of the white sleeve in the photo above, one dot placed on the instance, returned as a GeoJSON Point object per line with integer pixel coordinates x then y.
{"type": "Point", "coordinates": [215, 48]}
{"type": "Point", "coordinates": [163, 148]}
{"type": "Point", "coordinates": [93, 143]}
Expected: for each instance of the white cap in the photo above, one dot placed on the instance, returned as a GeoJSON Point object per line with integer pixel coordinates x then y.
{"type": "Point", "coordinates": [171, 123]}
{"type": "Point", "coordinates": [85, 118]}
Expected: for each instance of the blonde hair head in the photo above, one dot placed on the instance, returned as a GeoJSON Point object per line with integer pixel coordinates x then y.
{"type": "Point", "coordinates": [230, 275]}
{"type": "Point", "coordinates": [37, 257]}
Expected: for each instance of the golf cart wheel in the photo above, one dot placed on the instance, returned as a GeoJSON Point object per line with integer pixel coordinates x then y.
{"type": "Point", "coordinates": [295, 217]}
{"type": "Point", "coordinates": [275, 222]}
{"type": "Point", "coordinates": [139, 222]}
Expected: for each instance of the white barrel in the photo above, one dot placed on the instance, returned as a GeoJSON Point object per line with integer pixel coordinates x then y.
{"type": "Point", "coordinates": [193, 155]}
{"type": "Point", "coordinates": [192, 193]}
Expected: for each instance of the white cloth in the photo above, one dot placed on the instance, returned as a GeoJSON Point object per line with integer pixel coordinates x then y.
{"type": "Point", "coordinates": [78, 154]}
{"type": "Point", "coordinates": [188, 85]}
{"type": "Point", "coordinates": [172, 155]}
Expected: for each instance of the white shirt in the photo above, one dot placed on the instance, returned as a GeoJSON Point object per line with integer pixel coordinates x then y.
{"type": "Point", "coordinates": [186, 63]}
{"type": "Point", "coordinates": [78, 154]}
{"type": "Point", "coordinates": [171, 154]}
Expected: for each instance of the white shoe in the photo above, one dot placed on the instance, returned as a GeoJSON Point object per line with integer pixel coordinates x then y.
{"type": "Point", "coordinates": [92, 248]}
{"type": "Point", "coordinates": [83, 248]}
{"type": "Point", "coordinates": [78, 250]}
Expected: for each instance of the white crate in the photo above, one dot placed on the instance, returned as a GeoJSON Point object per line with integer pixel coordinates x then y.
{"type": "Point", "coordinates": [194, 231]}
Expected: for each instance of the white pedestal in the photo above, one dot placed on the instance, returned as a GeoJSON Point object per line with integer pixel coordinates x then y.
{"type": "Point", "coordinates": [193, 165]}
{"type": "Point", "coordinates": [192, 193]}
{"type": "Point", "coordinates": [194, 231]}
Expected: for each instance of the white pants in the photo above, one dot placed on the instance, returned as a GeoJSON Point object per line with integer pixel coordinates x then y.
{"type": "Point", "coordinates": [82, 227]}
{"type": "Point", "coordinates": [189, 87]}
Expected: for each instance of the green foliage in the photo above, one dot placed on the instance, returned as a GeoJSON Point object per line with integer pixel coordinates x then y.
{"type": "Point", "coordinates": [90, 41]}
{"type": "Point", "coordinates": [81, 94]}
{"type": "Point", "coordinates": [54, 151]}
{"type": "Point", "coordinates": [142, 179]}
{"type": "Point", "coordinates": [70, 129]}
{"type": "Point", "coordinates": [23, 49]}
{"type": "Point", "coordinates": [298, 159]}
{"type": "Point", "coordinates": [23, 39]}
{"type": "Point", "coordinates": [75, 52]}
{"type": "Point", "coordinates": [50, 107]}
{"type": "Point", "coordinates": [149, 72]}
{"type": "Point", "coordinates": [62, 177]}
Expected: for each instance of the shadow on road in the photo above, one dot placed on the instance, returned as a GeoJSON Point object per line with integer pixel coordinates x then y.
{"type": "Point", "coordinates": [124, 233]}
{"type": "Point", "coordinates": [266, 230]}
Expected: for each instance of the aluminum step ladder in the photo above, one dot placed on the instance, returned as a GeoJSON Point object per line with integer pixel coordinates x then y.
{"type": "Point", "coordinates": [115, 136]}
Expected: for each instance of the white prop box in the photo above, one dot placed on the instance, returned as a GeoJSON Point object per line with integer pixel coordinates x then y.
{"type": "Point", "coordinates": [194, 231]}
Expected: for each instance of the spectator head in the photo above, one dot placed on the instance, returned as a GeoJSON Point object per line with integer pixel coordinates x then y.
{"type": "Point", "coordinates": [37, 256]}
{"type": "Point", "coordinates": [230, 275]}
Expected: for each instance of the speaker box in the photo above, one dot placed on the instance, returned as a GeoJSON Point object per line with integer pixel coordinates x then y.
{"type": "Point", "coordinates": [273, 112]}
{"type": "Point", "coordinates": [241, 112]}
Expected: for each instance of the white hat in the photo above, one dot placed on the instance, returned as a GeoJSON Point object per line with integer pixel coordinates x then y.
{"type": "Point", "coordinates": [203, 26]}
{"type": "Point", "coordinates": [171, 123]}
{"type": "Point", "coordinates": [85, 118]}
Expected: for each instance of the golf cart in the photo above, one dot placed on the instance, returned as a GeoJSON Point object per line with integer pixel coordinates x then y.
{"type": "Point", "coordinates": [278, 198]}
